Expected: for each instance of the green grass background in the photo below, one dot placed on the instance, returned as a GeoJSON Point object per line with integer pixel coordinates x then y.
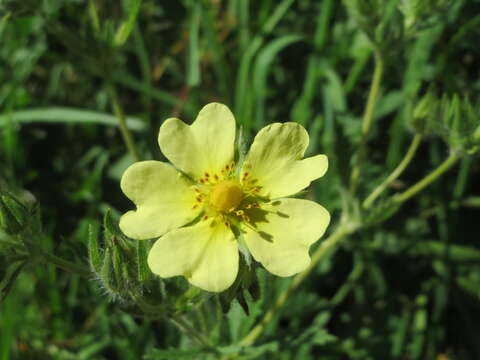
{"type": "Point", "coordinates": [407, 289]}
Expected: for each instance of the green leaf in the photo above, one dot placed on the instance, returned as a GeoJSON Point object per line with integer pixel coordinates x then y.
{"type": "Point", "coordinates": [106, 270]}
{"type": "Point", "coordinates": [62, 115]}
{"type": "Point", "coordinates": [172, 354]}
{"type": "Point", "coordinates": [457, 253]}
{"type": "Point", "coordinates": [112, 231]}
{"type": "Point", "coordinates": [323, 337]}
{"type": "Point", "coordinates": [193, 70]}
{"type": "Point", "coordinates": [127, 26]}
{"type": "Point", "coordinates": [144, 272]}
{"type": "Point", "coordinates": [6, 283]}
{"type": "Point", "coordinates": [262, 67]}
{"type": "Point", "coordinates": [92, 11]}
{"type": "Point", "coordinates": [14, 216]}
{"type": "Point", "coordinates": [93, 250]}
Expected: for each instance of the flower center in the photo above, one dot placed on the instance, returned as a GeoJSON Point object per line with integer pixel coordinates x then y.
{"type": "Point", "coordinates": [226, 195]}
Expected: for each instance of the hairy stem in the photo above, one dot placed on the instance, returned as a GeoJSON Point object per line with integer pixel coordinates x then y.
{"type": "Point", "coordinates": [396, 173]}
{"type": "Point", "coordinates": [66, 265]}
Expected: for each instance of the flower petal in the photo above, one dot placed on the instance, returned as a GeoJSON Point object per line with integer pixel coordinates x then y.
{"type": "Point", "coordinates": [163, 198]}
{"type": "Point", "coordinates": [204, 146]}
{"type": "Point", "coordinates": [285, 229]}
{"type": "Point", "coordinates": [275, 161]}
{"type": "Point", "coordinates": [205, 253]}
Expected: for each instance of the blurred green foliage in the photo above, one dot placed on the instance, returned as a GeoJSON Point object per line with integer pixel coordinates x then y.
{"type": "Point", "coordinates": [403, 288]}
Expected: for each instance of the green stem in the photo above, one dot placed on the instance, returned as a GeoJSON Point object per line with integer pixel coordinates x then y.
{"type": "Point", "coordinates": [325, 247]}
{"type": "Point", "coordinates": [367, 120]}
{"type": "Point", "coordinates": [396, 173]}
{"type": "Point", "coordinates": [427, 180]}
{"type": "Point", "coordinates": [126, 134]}
{"type": "Point", "coordinates": [66, 265]}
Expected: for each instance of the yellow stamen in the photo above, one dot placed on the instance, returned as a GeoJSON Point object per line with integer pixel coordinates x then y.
{"type": "Point", "coordinates": [226, 195]}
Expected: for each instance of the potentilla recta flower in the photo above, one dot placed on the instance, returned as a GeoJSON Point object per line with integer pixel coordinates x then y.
{"type": "Point", "coordinates": [204, 205]}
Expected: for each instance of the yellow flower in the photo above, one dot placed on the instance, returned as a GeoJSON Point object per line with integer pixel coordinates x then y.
{"type": "Point", "coordinates": [204, 206]}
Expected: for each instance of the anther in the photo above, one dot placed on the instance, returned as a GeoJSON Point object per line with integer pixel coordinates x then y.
{"type": "Point", "coordinates": [207, 175]}
{"type": "Point", "coordinates": [205, 217]}
{"type": "Point", "coordinates": [239, 212]}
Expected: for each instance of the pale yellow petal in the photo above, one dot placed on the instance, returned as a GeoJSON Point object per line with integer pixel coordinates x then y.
{"type": "Point", "coordinates": [285, 229]}
{"type": "Point", "coordinates": [205, 146]}
{"type": "Point", "coordinates": [163, 197]}
{"type": "Point", "coordinates": [205, 253]}
{"type": "Point", "coordinates": [275, 161]}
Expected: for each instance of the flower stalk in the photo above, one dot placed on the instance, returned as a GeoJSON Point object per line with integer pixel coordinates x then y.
{"type": "Point", "coordinates": [66, 265]}
{"type": "Point", "coordinates": [427, 180]}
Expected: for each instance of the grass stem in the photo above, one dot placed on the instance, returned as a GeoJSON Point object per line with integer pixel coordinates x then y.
{"type": "Point", "coordinates": [126, 134]}
{"type": "Point", "coordinates": [367, 120]}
